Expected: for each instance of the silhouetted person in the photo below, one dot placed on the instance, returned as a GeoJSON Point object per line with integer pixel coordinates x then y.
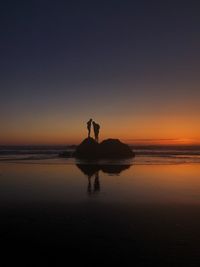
{"type": "Point", "coordinates": [89, 123]}
{"type": "Point", "coordinates": [96, 128]}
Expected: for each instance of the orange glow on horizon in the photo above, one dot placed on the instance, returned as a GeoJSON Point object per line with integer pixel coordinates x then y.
{"type": "Point", "coordinates": [63, 140]}
{"type": "Point", "coordinates": [143, 130]}
{"type": "Point", "coordinates": [180, 141]}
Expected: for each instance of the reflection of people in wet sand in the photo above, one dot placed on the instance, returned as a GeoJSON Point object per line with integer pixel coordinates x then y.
{"type": "Point", "coordinates": [96, 184]}
{"type": "Point", "coordinates": [92, 170]}
{"type": "Point", "coordinates": [96, 128]}
{"type": "Point", "coordinates": [89, 188]}
{"type": "Point", "coordinates": [89, 123]}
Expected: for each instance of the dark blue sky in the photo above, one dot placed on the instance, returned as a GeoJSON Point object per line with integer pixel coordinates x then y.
{"type": "Point", "coordinates": [73, 59]}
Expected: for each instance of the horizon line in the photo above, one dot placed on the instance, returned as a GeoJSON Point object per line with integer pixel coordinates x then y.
{"type": "Point", "coordinates": [132, 142]}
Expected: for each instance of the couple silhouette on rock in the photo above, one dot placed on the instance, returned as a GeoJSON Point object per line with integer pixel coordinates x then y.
{"type": "Point", "coordinates": [96, 128]}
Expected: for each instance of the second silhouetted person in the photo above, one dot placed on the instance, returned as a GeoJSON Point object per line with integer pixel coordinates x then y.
{"type": "Point", "coordinates": [96, 128]}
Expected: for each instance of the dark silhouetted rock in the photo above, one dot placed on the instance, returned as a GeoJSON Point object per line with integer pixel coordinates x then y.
{"type": "Point", "coordinates": [108, 149]}
{"type": "Point", "coordinates": [114, 148]}
{"type": "Point", "coordinates": [88, 149]}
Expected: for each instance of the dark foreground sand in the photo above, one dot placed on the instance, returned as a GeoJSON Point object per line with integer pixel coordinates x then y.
{"type": "Point", "coordinates": [146, 215]}
{"type": "Point", "coordinates": [97, 233]}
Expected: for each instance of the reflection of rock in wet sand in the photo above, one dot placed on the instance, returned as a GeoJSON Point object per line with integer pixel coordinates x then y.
{"type": "Point", "coordinates": [92, 170]}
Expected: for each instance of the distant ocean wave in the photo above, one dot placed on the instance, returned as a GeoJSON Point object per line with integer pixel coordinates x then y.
{"type": "Point", "coordinates": [167, 155]}
{"type": "Point", "coordinates": [13, 153]}
{"type": "Point", "coordinates": [16, 150]}
{"type": "Point", "coordinates": [166, 159]}
{"type": "Point", "coordinates": [166, 152]}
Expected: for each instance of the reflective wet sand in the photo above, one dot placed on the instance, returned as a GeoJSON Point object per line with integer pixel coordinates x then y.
{"type": "Point", "coordinates": [149, 214]}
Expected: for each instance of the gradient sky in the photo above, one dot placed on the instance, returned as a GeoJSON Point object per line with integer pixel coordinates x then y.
{"type": "Point", "coordinates": [133, 66]}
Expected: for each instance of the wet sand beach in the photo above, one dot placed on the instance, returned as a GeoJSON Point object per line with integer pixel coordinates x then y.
{"type": "Point", "coordinates": [139, 215]}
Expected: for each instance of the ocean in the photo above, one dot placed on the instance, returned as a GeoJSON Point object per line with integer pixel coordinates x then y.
{"type": "Point", "coordinates": [144, 154]}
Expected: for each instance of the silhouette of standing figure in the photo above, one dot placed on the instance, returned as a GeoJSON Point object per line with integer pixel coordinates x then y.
{"type": "Point", "coordinates": [96, 128]}
{"type": "Point", "coordinates": [89, 123]}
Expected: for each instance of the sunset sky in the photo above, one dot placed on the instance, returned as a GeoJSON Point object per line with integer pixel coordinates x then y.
{"type": "Point", "coordinates": [132, 66]}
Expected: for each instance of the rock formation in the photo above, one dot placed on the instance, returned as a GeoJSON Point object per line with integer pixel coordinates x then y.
{"type": "Point", "coordinates": [107, 149]}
